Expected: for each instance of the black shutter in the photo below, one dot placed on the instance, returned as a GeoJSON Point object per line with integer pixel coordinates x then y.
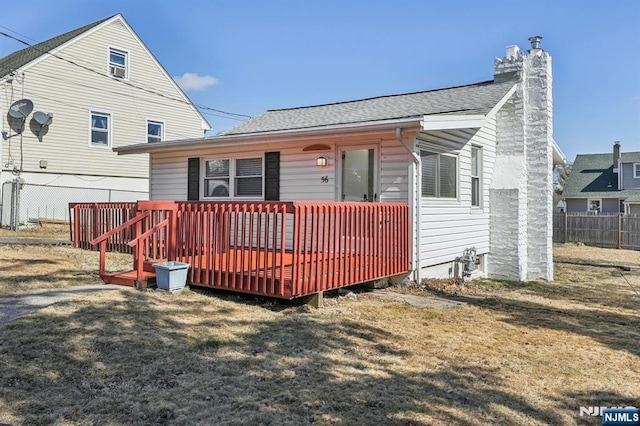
{"type": "Point", "coordinates": [193, 179]}
{"type": "Point", "coordinates": [272, 176]}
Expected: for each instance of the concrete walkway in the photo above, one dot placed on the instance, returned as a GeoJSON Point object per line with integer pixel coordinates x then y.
{"type": "Point", "coordinates": [420, 302]}
{"type": "Point", "coordinates": [16, 305]}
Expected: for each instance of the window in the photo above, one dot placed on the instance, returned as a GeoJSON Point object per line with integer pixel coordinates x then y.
{"type": "Point", "coordinates": [593, 206]}
{"type": "Point", "coordinates": [241, 177]}
{"type": "Point", "coordinates": [439, 175]}
{"type": "Point", "coordinates": [155, 131]}
{"type": "Point", "coordinates": [476, 171]}
{"type": "Point", "coordinates": [248, 182]}
{"type": "Point", "coordinates": [118, 63]}
{"type": "Point", "coordinates": [100, 129]}
{"type": "Point", "coordinates": [636, 170]}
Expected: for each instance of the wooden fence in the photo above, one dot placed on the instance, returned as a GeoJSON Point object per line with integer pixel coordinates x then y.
{"type": "Point", "coordinates": [603, 230]}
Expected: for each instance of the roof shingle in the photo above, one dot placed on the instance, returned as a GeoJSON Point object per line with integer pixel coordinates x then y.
{"type": "Point", "coordinates": [16, 60]}
{"type": "Point", "coordinates": [592, 176]}
{"type": "Point", "coordinates": [477, 98]}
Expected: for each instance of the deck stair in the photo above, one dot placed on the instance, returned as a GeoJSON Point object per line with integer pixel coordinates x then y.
{"type": "Point", "coordinates": [147, 227]}
{"type": "Point", "coordinates": [130, 278]}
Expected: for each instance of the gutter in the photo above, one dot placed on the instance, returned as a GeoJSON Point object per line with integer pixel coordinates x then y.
{"type": "Point", "coordinates": [248, 139]}
{"type": "Point", "coordinates": [414, 171]}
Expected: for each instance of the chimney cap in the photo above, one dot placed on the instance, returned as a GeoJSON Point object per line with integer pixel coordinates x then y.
{"type": "Point", "coordinates": [535, 42]}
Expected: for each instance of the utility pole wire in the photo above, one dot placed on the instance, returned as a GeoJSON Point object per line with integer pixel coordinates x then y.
{"type": "Point", "coordinates": [128, 83]}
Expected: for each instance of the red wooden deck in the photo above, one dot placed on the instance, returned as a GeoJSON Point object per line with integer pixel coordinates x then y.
{"type": "Point", "coordinates": [283, 250]}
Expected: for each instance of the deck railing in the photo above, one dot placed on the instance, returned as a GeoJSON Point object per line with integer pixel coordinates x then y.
{"type": "Point", "coordinates": [238, 246]}
{"type": "Point", "coordinates": [279, 249]}
{"type": "Point", "coordinates": [91, 220]}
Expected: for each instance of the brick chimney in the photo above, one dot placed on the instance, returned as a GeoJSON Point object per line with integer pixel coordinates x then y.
{"type": "Point", "coordinates": [616, 156]}
{"type": "Point", "coordinates": [521, 195]}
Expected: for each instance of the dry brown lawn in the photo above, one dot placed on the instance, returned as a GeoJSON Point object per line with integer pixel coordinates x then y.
{"type": "Point", "coordinates": [46, 231]}
{"type": "Point", "coordinates": [517, 353]}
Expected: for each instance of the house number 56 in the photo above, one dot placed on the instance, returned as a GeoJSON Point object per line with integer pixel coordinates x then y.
{"type": "Point", "coordinates": [324, 179]}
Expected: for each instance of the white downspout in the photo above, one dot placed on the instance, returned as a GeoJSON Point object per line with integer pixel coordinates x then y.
{"type": "Point", "coordinates": [414, 171]}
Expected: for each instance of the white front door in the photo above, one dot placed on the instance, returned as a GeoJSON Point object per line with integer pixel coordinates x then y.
{"type": "Point", "coordinates": [359, 177]}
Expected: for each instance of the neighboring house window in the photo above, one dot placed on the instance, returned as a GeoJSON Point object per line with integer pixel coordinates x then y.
{"type": "Point", "coordinates": [476, 172]}
{"type": "Point", "coordinates": [155, 131]}
{"type": "Point", "coordinates": [636, 170]}
{"type": "Point", "coordinates": [118, 63]}
{"type": "Point", "coordinates": [100, 129]}
{"type": "Point", "coordinates": [439, 175]}
{"type": "Point", "coordinates": [594, 206]}
{"type": "Point", "coordinates": [241, 177]}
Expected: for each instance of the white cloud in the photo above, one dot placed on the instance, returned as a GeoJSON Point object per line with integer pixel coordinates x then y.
{"type": "Point", "coordinates": [192, 82]}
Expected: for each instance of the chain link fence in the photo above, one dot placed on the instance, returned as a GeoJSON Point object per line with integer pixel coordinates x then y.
{"type": "Point", "coordinates": [24, 203]}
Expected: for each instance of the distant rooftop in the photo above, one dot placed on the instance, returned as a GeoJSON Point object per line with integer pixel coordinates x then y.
{"type": "Point", "coordinates": [471, 99]}
{"type": "Point", "coordinates": [592, 176]}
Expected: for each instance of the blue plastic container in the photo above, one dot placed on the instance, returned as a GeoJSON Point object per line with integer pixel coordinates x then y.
{"type": "Point", "coordinates": [172, 275]}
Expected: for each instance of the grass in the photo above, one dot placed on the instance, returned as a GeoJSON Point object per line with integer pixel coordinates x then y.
{"type": "Point", "coordinates": [46, 231]}
{"type": "Point", "coordinates": [33, 267]}
{"type": "Point", "coordinates": [515, 354]}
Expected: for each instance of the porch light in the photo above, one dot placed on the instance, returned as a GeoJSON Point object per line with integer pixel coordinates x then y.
{"type": "Point", "coordinates": [321, 161]}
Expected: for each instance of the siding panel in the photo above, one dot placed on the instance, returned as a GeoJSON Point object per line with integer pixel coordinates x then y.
{"type": "Point", "coordinates": [70, 93]}
{"type": "Point", "coordinates": [450, 226]}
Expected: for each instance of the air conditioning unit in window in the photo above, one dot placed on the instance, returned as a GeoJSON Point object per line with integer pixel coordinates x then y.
{"type": "Point", "coordinates": [116, 71]}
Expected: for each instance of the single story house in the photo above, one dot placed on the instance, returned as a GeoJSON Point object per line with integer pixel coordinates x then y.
{"type": "Point", "coordinates": [604, 183]}
{"type": "Point", "coordinates": [473, 163]}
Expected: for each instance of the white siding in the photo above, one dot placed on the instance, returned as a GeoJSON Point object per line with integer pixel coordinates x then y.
{"type": "Point", "coordinates": [447, 227]}
{"type": "Point", "coordinates": [394, 171]}
{"type": "Point", "coordinates": [70, 93]}
{"type": "Point", "coordinates": [300, 178]}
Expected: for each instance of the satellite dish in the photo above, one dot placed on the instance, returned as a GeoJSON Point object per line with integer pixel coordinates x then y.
{"type": "Point", "coordinates": [42, 118]}
{"type": "Point", "coordinates": [39, 124]}
{"type": "Point", "coordinates": [21, 108]}
{"type": "Point", "coordinates": [16, 124]}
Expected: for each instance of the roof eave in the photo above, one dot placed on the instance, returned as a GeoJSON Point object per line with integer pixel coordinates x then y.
{"type": "Point", "coordinates": [558, 156]}
{"type": "Point", "coordinates": [273, 136]}
{"type": "Point", "coordinates": [450, 122]}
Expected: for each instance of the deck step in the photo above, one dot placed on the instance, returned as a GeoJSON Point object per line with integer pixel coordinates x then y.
{"type": "Point", "coordinates": [126, 278]}
{"type": "Point", "coordinates": [148, 264]}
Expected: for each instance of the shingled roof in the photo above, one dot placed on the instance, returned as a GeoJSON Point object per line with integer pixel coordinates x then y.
{"type": "Point", "coordinates": [592, 176]}
{"type": "Point", "coordinates": [16, 60]}
{"type": "Point", "coordinates": [471, 99]}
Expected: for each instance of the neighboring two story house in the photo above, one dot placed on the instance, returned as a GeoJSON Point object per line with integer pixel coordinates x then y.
{"type": "Point", "coordinates": [105, 90]}
{"type": "Point", "coordinates": [604, 183]}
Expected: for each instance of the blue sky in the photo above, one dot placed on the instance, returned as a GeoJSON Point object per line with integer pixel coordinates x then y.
{"type": "Point", "coordinates": [258, 55]}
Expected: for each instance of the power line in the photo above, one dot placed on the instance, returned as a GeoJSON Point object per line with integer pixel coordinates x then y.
{"type": "Point", "coordinates": [125, 95]}
{"type": "Point", "coordinates": [128, 83]}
